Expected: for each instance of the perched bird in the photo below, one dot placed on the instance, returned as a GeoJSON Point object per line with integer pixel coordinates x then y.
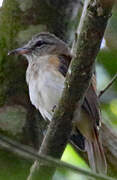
{"type": "Point", "coordinates": [48, 61]}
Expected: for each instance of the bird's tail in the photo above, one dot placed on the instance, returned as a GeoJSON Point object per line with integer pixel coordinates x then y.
{"type": "Point", "coordinates": [96, 155]}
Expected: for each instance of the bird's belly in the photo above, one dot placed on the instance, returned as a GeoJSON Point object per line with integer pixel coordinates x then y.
{"type": "Point", "coordinates": [45, 93]}
{"type": "Point", "coordinates": [34, 94]}
{"type": "Point", "coordinates": [37, 99]}
{"type": "Point", "coordinates": [50, 89]}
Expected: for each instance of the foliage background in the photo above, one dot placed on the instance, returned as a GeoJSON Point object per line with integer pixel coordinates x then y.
{"type": "Point", "coordinates": [12, 166]}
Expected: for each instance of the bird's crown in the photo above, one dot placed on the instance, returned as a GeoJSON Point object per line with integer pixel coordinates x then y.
{"type": "Point", "coordinates": [43, 44]}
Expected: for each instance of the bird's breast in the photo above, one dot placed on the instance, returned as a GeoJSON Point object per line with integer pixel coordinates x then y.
{"type": "Point", "coordinates": [45, 89]}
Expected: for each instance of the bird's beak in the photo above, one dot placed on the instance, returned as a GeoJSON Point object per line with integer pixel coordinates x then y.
{"type": "Point", "coordinates": [19, 51]}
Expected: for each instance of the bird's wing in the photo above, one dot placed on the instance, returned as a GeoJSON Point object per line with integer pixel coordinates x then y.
{"type": "Point", "coordinates": [86, 135]}
{"type": "Point", "coordinates": [90, 103]}
{"type": "Point", "coordinates": [64, 62]}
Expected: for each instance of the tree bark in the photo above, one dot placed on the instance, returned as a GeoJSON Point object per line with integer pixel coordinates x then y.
{"type": "Point", "coordinates": [92, 26]}
{"type": "Point", "coordinates": [19, 20]}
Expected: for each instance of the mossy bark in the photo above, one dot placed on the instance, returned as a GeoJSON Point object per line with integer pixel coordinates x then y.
{"type": "Point", "coordinates": [91, 29]}
{"type": "Point", "coordinates": [19, 20]}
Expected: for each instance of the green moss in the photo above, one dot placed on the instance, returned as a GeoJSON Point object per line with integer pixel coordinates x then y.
{"type": "Point", "coordinates": [19, 20]}
{"type": "Point", "coordinates": [9, 26]}
{"type": "Point", "coordinates": [13, 167]}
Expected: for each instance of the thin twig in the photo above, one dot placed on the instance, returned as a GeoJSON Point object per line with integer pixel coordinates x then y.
{"type": "Point", "coordinates": [76, 83]}
{"type": "Point", "coordinates": [6, 144]}
{"type": "Point", "coordinates": [108, 86]}
{"type": "Point", "coordinates": [52, 161]}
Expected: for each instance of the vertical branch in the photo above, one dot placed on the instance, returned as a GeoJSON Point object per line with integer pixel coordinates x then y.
{"type": "Point", "coordinates": [90, 34]}
{"type": "Point", "coordinates": [19, 21]}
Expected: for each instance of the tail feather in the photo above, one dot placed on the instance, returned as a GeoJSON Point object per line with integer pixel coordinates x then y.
{"type": "Point", "coordinates": [90, 152]}
{"type": "Point", "coordinates": [96, 155]}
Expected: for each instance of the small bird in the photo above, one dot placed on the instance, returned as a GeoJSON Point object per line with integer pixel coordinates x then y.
{"type": "Point", "coordinates": [48, 61]}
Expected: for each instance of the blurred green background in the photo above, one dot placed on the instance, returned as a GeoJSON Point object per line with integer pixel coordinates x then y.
{"type": "Point", "coordinates": [13, 167]}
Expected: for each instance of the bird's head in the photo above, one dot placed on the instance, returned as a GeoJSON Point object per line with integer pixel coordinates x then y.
{"type": "Point", "coordinates": [42, 44]}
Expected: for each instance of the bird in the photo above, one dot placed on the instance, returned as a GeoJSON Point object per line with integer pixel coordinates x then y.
{"type": "Point", "coordinates": [48, 61]}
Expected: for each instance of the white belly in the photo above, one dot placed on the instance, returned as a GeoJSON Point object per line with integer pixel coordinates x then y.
{"type": "Point", "coordinates": [34, 94]}
{"type": "Point", "coordinates": [45, 92]}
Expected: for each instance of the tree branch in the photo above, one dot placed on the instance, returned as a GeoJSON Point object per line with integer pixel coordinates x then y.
{"type": "Point", "coordinates": [90, 32]}
{"type": "Point", "coordinates": [27, 152]}
{"type": "Point", "coordinates": [109, 140]}
{"type": "Point", "coordinates": [108, 86]}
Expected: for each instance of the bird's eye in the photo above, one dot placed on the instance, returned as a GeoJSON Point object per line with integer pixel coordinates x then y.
{"type": "Point", "coordinates": [39, 43]}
